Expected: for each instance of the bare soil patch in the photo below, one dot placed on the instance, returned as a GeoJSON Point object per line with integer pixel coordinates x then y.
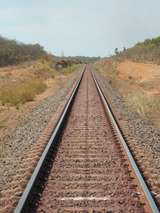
{"type": "Point", "coordinates": [143, 76]}
{"type": "Point", "coordinates": [139, 85]}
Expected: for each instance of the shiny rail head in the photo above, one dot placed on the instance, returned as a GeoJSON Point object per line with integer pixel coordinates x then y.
{"type": "Point", "coordinates": [149, 198]}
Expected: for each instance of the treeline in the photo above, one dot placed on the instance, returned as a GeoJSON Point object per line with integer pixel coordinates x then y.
{"type": "Point", "coordinates": [147, 51]}
{"type": "Point", "coordinates": [13, 52]}
{"type": "Point", "coordinates": [82, 59]}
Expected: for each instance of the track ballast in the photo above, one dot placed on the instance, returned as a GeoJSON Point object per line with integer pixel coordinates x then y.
{"type": "Point", "coordinates": [86, 170]}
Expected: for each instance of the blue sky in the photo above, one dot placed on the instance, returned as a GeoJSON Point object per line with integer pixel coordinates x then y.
{"type": "Point", "coordinates": [80, 27]}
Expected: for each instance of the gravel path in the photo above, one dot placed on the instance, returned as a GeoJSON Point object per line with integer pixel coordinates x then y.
{"type": "Point", "coordinates": [143, 138]}
{"type": "Point", "coordinates": [27, 133]}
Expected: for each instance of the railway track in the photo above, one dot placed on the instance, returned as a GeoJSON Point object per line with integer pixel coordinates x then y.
{"type": "Point", "coordinates": [86, 166]}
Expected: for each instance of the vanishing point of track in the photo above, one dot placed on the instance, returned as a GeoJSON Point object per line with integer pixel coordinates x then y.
{"type": "Point", "coordinates": [86, 166]}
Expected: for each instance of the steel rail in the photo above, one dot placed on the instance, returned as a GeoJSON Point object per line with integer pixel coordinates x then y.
{"type": "Point", "coordinates": [146, 191]}
{"type": "Point", "coordinates": [24, 200]}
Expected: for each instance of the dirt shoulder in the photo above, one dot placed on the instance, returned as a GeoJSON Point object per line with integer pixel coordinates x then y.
{"type": "Point", "coordinates": [138, 84]}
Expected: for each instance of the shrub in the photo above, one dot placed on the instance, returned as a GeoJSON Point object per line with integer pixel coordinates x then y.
{"type": "Point", "coordinates": [43, 69]}
{"type": "Point", "coordinates": [143, 105]}
{"type": "Point", "coordinates": [147, 51]}
{"type": "Point", "coordinates": [24, 92]}
{"type": "Point", "coordinates": [71, 68]}
{"type": "Point", "coordinates": [2, 124]}
{"type": "Point", "coordinates": [108, 68]}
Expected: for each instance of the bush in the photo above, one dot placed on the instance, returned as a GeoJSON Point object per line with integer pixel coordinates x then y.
{"type": "Point", "coordinates": [13, 52]}
{"type": "Point", "coordinates": [43, 69]}
{"type": "Point", "coordinates": [71, 68]}
{"type": "Point", "coordinates": [108, 68]}
{"type": "Point", "coordinates": [2, 124]}
{"type": "Point", "coordinates": [15, 95]}
{"type": "Point", "coordinates": [144, 105]}
{"type": "Point", "coordinates": [147, 51]}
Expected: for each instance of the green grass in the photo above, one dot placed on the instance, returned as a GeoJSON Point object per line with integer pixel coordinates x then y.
{"type": "Point", "coordinates": [24, 92]}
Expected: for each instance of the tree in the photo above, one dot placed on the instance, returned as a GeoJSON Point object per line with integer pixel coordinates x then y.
{"type": "Point", "coordinates": [116, 51]}
{"type": "Point", "coordinates": [13, 52]}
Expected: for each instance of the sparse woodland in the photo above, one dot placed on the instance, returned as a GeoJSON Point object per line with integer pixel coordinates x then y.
{"type": "Point", "coordinates": [13, 52]}
{"type": "Point", "coordinates": [147, 51]}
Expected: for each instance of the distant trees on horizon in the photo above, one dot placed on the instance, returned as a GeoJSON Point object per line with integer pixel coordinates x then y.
{"type": "Point", "coordinates": [146, 51]}
{"type": "Point", "coordinates": [13, 52]}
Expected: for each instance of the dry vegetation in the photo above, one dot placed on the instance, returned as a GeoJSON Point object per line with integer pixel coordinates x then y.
{"type": "Point", "coordinates": [138, 83]}
{"type": "Point", "coordinates": [70, 69]}
{"type": "Point", "coordinates": [20, 85]}
{"type": "Point", "coordinates": [13, 52]}
{"type": "Point", "coordinates": [2, 124]}
{"type": "Point", "coordinates": [23, 87]}
{"type": "Point", "coordinates": [22, 92]}
{"type": "Point", "coordinates": [107, 67]}
{"type": "Point", "coordinates": [146, 51]}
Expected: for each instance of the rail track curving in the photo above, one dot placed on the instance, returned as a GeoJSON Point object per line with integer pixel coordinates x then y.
{"type": "Point", "coordinates": [87, 166]}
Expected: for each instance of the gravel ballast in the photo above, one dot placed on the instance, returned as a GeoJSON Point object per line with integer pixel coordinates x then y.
{"type": "Point", "coordinates": [143, 138]}
{"type": "Point", "coordinates": [27, 133]}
